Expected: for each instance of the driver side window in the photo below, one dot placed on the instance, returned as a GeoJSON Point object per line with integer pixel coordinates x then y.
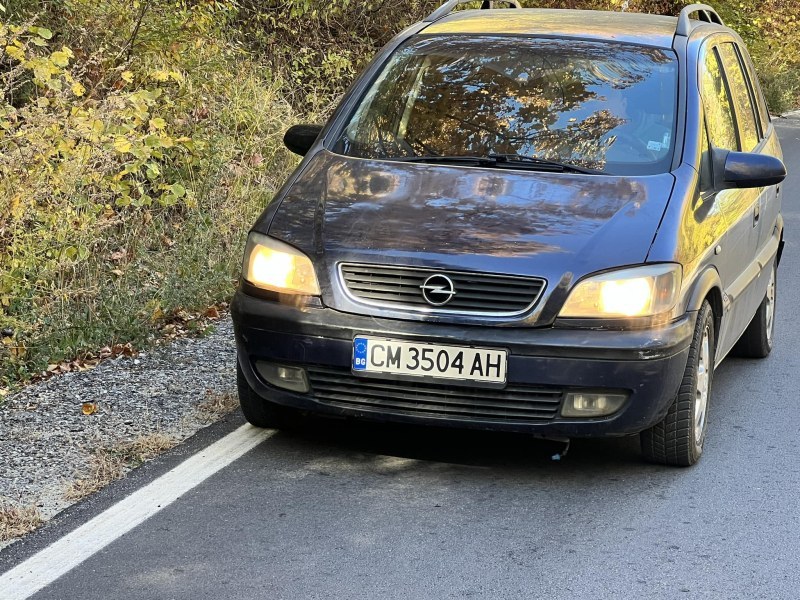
{"type": "Point", "coordinates": [720, 121]}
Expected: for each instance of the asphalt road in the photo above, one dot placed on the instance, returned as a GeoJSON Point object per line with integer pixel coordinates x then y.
{"type": "Point", "coordinates": [365, 512]}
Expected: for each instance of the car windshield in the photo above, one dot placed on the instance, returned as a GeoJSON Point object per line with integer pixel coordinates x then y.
{"type": "Point", "coordinates": [604, 106]}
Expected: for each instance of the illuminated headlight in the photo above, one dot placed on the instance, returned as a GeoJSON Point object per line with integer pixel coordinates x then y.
{"type": "Point", "coordinates": [273, 265]}
{"type": "Point", "coordinates": [638, 292]}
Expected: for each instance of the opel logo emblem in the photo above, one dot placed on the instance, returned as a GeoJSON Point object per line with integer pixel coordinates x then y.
{"type": "Point", "coordinates": [438, 290]}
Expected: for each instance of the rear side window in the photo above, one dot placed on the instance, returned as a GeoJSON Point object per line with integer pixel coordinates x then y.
{"type": "Point", "coordinates": [739, 88]}
{"type": "Point", "coordinates": [757, 92]}
{"type": "Point", "coordinates": [717, 104]}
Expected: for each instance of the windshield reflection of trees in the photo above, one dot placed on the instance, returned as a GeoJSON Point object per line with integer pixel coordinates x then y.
{"type": "Point", "coordinates": [547, 98]}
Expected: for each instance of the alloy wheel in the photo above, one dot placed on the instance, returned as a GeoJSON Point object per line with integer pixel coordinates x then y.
{"type": "Point", "coordinates": [770, 307]}
{"type": "Point", "coordinates": [704, 367]}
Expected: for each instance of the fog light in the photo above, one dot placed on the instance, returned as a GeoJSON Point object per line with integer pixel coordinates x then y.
{"type": "Point", "coordinates": [582, 404]}
{"type": "Point", "coordinates": [287, 378]}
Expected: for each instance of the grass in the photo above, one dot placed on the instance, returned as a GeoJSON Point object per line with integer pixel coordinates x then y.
{"type": "Point", "coordinates": [215, 406]}
{"type": "Point", "coordinates": [16, 521]}
{"type": "Point", "coordinates": [110, 463]}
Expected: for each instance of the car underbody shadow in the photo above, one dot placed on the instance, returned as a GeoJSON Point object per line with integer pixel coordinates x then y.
{"type": "Point", "coordinates": [461, 447]}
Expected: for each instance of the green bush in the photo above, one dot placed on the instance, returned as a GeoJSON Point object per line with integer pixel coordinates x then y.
{"type": "Point", "coordinates": [129, 174]}
{"type": "Point", "coordinates": [772, 32]}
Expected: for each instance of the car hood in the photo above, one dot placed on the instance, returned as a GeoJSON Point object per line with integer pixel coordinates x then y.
{"type": "Point", "coordinates": [553, 225]}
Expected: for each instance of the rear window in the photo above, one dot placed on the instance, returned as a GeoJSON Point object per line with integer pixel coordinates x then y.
{"type": "Point", "coordinates": [599, 105]}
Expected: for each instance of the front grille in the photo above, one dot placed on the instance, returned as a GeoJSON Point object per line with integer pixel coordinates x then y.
{"type": "Point", "coordinates": [479, 293]}
{"type": "Point", "coordinates": [516, 403]}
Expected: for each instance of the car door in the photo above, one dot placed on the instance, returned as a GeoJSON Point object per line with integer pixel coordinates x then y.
{"type": "Point", "coordinates": [750, 289]}
{"type": "Point", "coordinates": [729, 128]}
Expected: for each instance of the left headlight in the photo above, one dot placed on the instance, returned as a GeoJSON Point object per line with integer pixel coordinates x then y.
{"type": "Point", "coordinates": [278, 267]}
{"type": "Point", "coordinates": [644, 291]}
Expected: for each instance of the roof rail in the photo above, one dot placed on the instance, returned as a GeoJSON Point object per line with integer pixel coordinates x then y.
{"type": "Point", "coordinates": [449, 6]}
{"type": "Point", "coordinates": [704, 11]}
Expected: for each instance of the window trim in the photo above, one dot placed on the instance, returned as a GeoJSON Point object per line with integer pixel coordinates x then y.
{"type": "Point", "coordinates": [705, 194]}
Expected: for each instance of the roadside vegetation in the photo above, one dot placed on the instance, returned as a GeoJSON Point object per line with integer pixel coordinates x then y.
{"type": "Point", "coordinates": [16, 521]}
{"type": "Point", "coordinates": [215, 406]}
{"type": "Point", "coordinates": [139, 139]}
{"type": "Point", "coordinates": [109, 463]}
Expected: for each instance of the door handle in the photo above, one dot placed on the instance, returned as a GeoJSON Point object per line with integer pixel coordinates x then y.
{"type": "Point", "coordinates": [756, 213]}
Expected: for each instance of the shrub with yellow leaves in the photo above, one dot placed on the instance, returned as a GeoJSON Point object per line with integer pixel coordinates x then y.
{"type": "Point", "coordinates": [120, 197]}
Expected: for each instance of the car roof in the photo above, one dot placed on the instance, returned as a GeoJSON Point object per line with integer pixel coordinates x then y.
{"type": "Point", "coordinates": [636, 28]}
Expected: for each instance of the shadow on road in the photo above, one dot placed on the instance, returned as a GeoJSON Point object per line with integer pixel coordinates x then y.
{"type": "Point", "coordinates": [515, 454]}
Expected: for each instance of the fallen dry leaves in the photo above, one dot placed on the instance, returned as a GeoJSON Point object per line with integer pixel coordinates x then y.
{"type": "Point", "coordinates": [182, 322]}
{"type": "Point", "coordinates": [177, 325]}
{"type": "Point", "coordinates": [89, 360]}
{"type": "Point", "coordinates": [119, 255]}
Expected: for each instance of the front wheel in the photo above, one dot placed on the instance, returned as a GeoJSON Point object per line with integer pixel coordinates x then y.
{"type": "Point", "coordinates": [678, 439]}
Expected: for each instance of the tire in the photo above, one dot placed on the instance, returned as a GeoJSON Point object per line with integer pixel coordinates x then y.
{"type": "Point", "coordinates": [260, 412]}
{"type": "Point", "coordinates": [756, 341]}
{"type": "Point", "coordinates": [678, 439]}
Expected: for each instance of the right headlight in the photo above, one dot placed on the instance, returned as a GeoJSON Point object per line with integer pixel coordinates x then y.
{"type": "Point", "coordinates": [644, 291]}
{"type": "Point", "coordinates": [273, 265]}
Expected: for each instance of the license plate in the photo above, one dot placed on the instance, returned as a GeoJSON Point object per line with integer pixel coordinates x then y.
{"type": "Point", "coordinates": [379, 355]}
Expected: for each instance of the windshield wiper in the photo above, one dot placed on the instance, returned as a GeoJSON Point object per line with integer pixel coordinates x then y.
{"type": "Point", "coordinates": [554, 164]}
{"type": "Point", "coordinates": [519, 161]}
{"type": "Point", "coordinates": [483, 161]}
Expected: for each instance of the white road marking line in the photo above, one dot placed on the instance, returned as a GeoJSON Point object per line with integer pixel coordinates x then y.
{"type": "Point", "coordinates": [65, 554]}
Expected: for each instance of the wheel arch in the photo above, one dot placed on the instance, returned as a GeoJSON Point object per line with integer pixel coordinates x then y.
{"type": "Point", "coordinates": [708, 287]}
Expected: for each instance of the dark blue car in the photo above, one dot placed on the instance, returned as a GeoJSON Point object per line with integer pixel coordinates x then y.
{"type": "Point", "coordinates": [547, 221]}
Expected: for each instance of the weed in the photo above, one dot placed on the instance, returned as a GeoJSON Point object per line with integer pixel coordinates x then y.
{"type": "Point", "coordinates": [110, 463]}
{"type": "Point", "coordinates": [216, 405]}
{"type": "Point", "coordinates": [16, 521]}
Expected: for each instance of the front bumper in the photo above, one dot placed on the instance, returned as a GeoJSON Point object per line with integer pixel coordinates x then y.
{"type": "Point", "coordinates": [648, 364]}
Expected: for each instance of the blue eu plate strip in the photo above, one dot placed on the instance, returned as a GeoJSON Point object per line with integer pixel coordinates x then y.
{"type": "Point", "coordinates": [359, 354]}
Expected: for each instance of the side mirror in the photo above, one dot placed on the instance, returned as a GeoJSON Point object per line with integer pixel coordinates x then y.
{"type": "Point", "coordinates": [746, 170]}
{"type": "Point", "coordinates": [300, 138]}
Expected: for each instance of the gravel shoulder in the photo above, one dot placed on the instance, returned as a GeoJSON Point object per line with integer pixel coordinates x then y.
{"type": "Point", "coordinates": [46, 440]}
